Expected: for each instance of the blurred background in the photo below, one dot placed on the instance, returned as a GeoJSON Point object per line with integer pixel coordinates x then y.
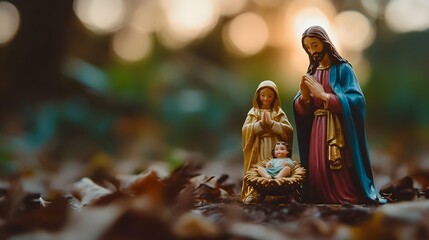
{"type": "Point", "coordinates": [125, 84]}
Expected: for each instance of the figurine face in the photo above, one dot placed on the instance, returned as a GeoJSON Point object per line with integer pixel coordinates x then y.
{"type": "Point", "coordinates": [280, 151]}
{"type": "Point", "coordinates": [314, 46]}
{"type": "Point", "coordinates": [266, 96]}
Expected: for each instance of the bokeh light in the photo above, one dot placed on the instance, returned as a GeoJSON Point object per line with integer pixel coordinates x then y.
{"type": "Point", "coordinates": [132, 45]}
{"type": "Point", "coordinates": [94, 88]}
{"type": "Point", "coordinates": [298, 16]}
{"type": "Point", "coordinates": [229, 8]}
{"type": "Point", "coordinates": [246, 34]}
{"type": "Point", "coordinates": [268, 3]}
{"type": "Point", "coordinates": [309, 17]}
{"type": "Point", "coordinates": [187, 20]}
{"type": "Point", "coordinates": [353, 30]}
{"type": "Point", "coordinates": [407, 15]}
{"type": "Point", "coordinates": [293, 63]}
{"type": "Point", "coordinates": [373, 8]}
{"type": "Point", "coordinates": [360, 65]}
{"type": "Point", "coordinates": [191, 100]}
{"type": "Point", "coordinates": [9, 22]}
{"type": "Point", "coordinates": [145, 16]}
{"type": "Point", "coordinates": [276, 28]}
{"type": "Point", "coordinates": [101, 16]}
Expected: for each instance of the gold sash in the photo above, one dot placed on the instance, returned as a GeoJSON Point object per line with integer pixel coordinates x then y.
{"type": "Point", "coordinates": [334, 138]}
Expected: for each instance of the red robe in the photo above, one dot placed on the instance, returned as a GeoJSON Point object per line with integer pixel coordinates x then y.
{"type": "Point", "coordinates": [326, 185]}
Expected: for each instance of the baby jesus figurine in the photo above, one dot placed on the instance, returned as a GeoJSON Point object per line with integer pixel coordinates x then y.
{"type": "Point", "coordinates": [280, 165]}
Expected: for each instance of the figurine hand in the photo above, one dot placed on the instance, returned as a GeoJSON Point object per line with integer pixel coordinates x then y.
{"type": "Point", "coordinates": [305, 91]}
{"type": "Point", "coordinates": [262, 121]}
{"type": "Point", "coordinates": [316, 88]}
{"type": "Point", "coordinates": [268, 119]}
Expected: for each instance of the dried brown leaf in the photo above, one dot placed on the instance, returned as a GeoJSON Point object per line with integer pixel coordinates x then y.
{"type": "Point", "coordinates": [88, 192]}
{"type": "Point", "coordinates": [212, 190]}
{"type": "Point", "coordinates": [421, 176]}
{"type": "Point", "coordinates": [177, 181]}
{"type": "Point", "coordinates": [193, 226]}
{"type": "Point", "coordinates": [51, 218]}
{"type": "Point", "coordinates": [149, 184]}
{"type": "Point", "coordinates": [400, 190]}
{"type": "Point", "coordinates": [135, 224]}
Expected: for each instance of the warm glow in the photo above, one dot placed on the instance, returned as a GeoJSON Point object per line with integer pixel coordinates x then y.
{"type": "Point", "coordinates": [312, 16]}
{"type": "Point", "coordinates": [146, 16]}
{"type": "Point", "coordinates": [101, 16]}
{"type": "Point", "coordinates": [187, 20]}
{"type": "Point", "coordinates": [297, 17]}
{"type": "Point", "coordinates": [372, 7]}
{"type": "Point", "coordinates": [268, 3]}
{"type": "Point", "coordinates": [360, 65]}
{"type": "Point", "coordinates": [309, 17]}
{"type": "Point", "coordinates": [353, 30]}
{"type": "Point", "coordinates": [9, 22]}
{"type": "Point", "coordinates": [228, 7]}
{"type": "Point", "coordinates": [407, 15]}
{"type": "Point", "coordinates": [171, 41]}
{"type": "Point", "coordinates": [131, 45]}
{"type": "Point", "coordinates": [292, 63]}
{"type": "Point", "coordinates": [247, 34]}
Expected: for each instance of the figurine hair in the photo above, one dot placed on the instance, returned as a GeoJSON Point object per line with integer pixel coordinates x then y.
{"type": "Point", "coordinates": [328, 48]}
{"type": "Point", "coordinates": [289, 149]}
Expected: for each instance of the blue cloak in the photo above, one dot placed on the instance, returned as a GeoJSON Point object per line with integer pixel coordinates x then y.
{"type": "Point", "coordinates": [345, 85]}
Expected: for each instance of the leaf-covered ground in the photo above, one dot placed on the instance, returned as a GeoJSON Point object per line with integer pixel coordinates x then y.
{"type": "Point", "coordinates": [187, 204]}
